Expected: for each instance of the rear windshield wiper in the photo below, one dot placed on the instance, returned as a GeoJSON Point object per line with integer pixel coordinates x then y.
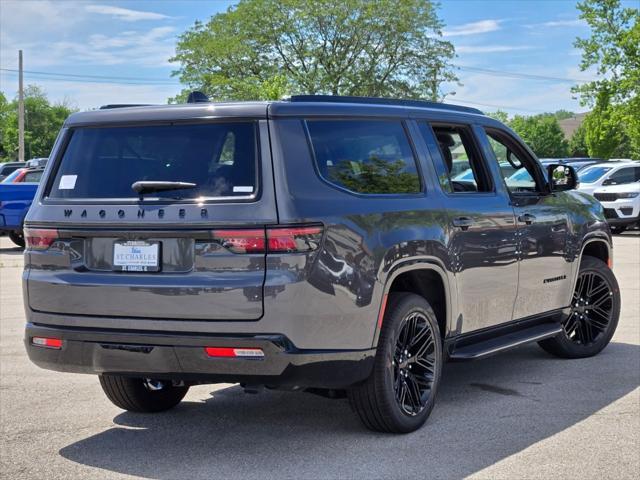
{"type": "Point", "coordinates": [150, 186]}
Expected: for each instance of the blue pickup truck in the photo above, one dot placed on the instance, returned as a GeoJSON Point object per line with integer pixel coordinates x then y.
{"type": "Point", "coordinates": [15, 200]}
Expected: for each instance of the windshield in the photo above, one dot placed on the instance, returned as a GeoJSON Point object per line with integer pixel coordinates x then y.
{"type": "Point", "coordinates": [592, 174]}
{"type": "Point", "coordinates": [104, 162]}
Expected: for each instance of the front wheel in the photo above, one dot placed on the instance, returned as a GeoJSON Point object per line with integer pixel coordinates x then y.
{"type": "Point", "coordinates": [595, 309]}
{"type": "Point", "coordinates": [400, 393]}
{"type": "Point", "coordinates": [17, 237]}
{"type": "Point", "coordinates": [142, 395]}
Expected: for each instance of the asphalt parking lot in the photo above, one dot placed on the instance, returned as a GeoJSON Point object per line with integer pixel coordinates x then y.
{"type": "Point", "coordinates": [523, 414]}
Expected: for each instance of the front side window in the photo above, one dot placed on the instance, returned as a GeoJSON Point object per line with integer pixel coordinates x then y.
{"type": "Point", "coordinates": [523, 179]}
{"type": "Point", "coordinates": [365, 156]}
{"type": "Point", "coordinates": [624, 175]}
{"type": "Point", "coordinates": [220, 159]}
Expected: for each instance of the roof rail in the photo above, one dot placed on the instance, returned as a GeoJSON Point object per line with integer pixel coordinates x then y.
{"type": "Point", "coordinates": [123, 105]}
{"type": "Point", "coordinates": [383, 101]}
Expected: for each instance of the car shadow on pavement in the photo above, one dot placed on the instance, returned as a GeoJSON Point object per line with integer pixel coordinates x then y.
{"type": "Point", "coordinates": [486, 411]}
{"type": "Point", "coordinates": [13, 251]}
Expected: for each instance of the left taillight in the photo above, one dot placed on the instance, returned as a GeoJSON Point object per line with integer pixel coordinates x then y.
{"type": "Point", "coordinates": [39, 238]}
{"type": "Point", "coordinates": [290, 239]}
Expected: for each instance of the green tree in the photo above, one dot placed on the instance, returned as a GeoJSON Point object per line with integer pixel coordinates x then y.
{"type": "Point", "coordinates": [542, 133]}
{"type": "Point", "coordinates": [614, 49]}
{"type": "Point", "coordinates": [578, 144]}
{"type": "Point", "coordinates": [563, 114]}
{"type": "Point", "coordinates": [42, 124]}
{"type": "Point", "coordinates": [265, 49]}
{"type": "Point", "coordinates": [500, 115]}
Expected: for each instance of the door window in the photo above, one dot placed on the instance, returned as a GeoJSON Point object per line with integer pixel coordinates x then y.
{"type": "Point", "coordinates": [624, 175]}
{"type": "Point", "coordinates": [465, 170]}
{"type": "Point", "coordinates": [518, 170]}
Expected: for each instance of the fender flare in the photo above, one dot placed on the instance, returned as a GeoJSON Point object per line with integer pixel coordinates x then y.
{"type": "Point", "coordinates": [412, 264]}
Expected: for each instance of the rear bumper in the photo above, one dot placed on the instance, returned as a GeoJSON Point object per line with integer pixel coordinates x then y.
{"type": "Point", "coordinates": [183, 357]}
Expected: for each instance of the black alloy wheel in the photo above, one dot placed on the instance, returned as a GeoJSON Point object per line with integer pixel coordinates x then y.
{"type": "Point", "coordinates": [414, 364]}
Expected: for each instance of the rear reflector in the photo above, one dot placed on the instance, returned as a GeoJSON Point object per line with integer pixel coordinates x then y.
{"type": "Point", "coordinates": [234, 352]}
{"type": "Point", "coordinates": [273, 240]}
{"type": "Point", "coordinates": [40, 239]}
{"type": "Point", "coordinates": [47, 342]}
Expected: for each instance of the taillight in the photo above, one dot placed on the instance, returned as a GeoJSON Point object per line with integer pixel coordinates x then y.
{"type": "Point", "coordinates": [293, 239]}
{"type": "Point", "coordinates": [273, 240]}
{"type": "Point", "coordinates": [40, 239]}
{"type": "Point", "coordinates": [241, 241]}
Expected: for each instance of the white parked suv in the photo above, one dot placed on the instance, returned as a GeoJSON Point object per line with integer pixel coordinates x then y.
{"type": "Point", "coordinates": [621, 205]}
{"type": "Point", "coordinates": [609, 173]}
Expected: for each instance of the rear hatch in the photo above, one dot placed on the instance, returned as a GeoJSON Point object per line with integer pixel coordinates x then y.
{"type": "Point", "coordinates": [185, 243]}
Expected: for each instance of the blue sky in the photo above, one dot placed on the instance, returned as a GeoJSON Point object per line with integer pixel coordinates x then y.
{"type": "Point", "coordinates": [133, 40]}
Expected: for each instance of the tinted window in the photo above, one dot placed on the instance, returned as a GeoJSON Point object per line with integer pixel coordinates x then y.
{"type": "Point", "coordinates": [624, 175]}
{"type": "Point", "coordinates": [510, 157]}
{"type": "Point", "coordinates": [592, 174]}
{"type": "Point", "coordinates": [365, 156]}
{"type": "Point", "coordinates": [463, 165]}
{"type": "Point", "coordinates": [104, 162]}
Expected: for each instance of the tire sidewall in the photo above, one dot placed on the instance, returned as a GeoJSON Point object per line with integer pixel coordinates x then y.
{"type": "Point", "coordinates": [592, 264]}
{"type": "Point", "coordinates": [401, 308]}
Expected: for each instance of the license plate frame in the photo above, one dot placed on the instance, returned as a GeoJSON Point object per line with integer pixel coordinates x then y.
{"type": "Point", "coordinates": [136, 256]}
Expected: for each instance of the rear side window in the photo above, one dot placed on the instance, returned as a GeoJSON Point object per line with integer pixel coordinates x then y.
{"type": "Point", "coordinates": [365, 156]}
{"type": "Point", "coordinates": [33, 177]}
{"type": "Point", "coordinates": [104, 162]}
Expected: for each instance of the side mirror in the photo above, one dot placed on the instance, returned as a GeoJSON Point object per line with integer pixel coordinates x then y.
{"type": "Point", "coordinates": [562, 178]}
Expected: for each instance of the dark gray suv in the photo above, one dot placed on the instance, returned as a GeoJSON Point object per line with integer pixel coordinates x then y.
{"type": "Point", "coordinates": [317, 243]}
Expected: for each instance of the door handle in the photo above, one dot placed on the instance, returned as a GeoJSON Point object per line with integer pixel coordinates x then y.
{"type": "Point", "coordinates": [462, 222]}
{"type": "Point", "coordinates": [527, 218]}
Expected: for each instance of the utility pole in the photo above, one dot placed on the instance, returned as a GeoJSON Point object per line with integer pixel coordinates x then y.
{"type": "Point", "coordinates": [20, 110]}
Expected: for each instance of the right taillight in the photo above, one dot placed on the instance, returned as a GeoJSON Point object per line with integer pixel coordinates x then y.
{"type": "Point", "coordinates": [39, 238]}
{"type": "Point", "coordinates": [272, 240]}
{"type": "Point", "coordinates": [293, 239]}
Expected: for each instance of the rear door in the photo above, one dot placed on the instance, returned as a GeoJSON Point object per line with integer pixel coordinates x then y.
{"type": "Point", "coordinates": [192, 253]}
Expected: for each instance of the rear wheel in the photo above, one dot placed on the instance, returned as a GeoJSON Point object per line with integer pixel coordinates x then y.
{"type": "Point", "coordinates": [400, 393]}
{"type": "Point", "coordinates": [142, 395]}
{"type": "Point", "coordinates": [595, 309]}
{"type": "Point", "coordinates": [17, 237]}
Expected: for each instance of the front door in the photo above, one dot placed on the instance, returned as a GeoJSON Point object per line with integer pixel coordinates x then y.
{"type": "Point", "coordinates": [543, 230]}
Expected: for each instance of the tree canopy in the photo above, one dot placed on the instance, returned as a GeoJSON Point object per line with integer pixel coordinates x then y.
{"type": "Point", "coordinates": [43, 121]}
{"type": "Point", "coordinates": [613, 48]}
{"type": "Point", "coordinates": [266, 49]}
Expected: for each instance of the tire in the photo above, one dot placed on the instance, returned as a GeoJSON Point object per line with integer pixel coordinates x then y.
{"type": "Point", "coordinates": [586, 337]}
{"type": "Point", "coordinates": [617, 229]}
{"type": "Point", "coordinates": [17, 237]}
{"type": "Point", "coordinates": [376, 400]}
{"type": "Point", "coordinates": [141, 395]}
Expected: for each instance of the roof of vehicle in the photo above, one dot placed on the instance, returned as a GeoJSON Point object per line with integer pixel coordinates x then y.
{"type": "Point", "coordinates": [613, 165]}
{"type": "Point", "coordinates": [12, 164]}
{"type": "Point", "coordinates": [297, 105]}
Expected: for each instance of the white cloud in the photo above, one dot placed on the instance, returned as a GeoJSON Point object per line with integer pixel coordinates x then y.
{"type": "Point", "coordinates": [125, 14]}
{"type": "Point", "coordinates": [473, 28]}
{"type": "Point", "coordinates": [559, 23]}
{"type": "Point", "coordinates": [490, 48]}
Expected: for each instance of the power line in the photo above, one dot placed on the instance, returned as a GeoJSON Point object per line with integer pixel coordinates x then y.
{"type": "Point", "coordinates": [88, 78]}
{"type": "Point", "coordinates": [526, 76]}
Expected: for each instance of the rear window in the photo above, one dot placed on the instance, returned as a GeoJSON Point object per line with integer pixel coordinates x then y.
{"type": "Point", "coordinates": [365, 156]}
{"type": "Point", "coordinates": [104, 162]}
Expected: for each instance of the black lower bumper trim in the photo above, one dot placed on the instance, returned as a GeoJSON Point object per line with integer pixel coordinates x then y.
{"type": "Point", "coordinates": [183, 357]}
